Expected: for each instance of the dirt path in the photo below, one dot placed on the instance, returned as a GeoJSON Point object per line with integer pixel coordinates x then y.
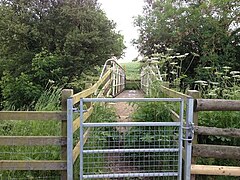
{"type": "Point", "coordinates": [124, 111]}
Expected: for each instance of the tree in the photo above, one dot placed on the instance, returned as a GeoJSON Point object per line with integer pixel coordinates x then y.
{"type": "Point", "coordinates": [209, 29]}
{"type": "Point", "coordinates": [54, 40]}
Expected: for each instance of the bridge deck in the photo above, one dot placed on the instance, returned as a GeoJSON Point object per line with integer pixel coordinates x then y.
{"type": "Point", "coordinates": [125, 110]}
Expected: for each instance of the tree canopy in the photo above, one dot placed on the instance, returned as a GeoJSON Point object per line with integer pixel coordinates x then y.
{"type": "Point", "coordinates": [51, 40]}
{"type": "Point", "coordinates": [208, 30]}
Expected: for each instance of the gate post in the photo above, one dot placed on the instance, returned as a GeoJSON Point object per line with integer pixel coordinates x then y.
{"type": "Point", "coordinates": [195, 94]}
{"type": "Point", "coordinates": [189, 138]}
{"type": "Point", "coordinates": [81, 141]}
{"type": "Point", "coordinates": [66, 93]}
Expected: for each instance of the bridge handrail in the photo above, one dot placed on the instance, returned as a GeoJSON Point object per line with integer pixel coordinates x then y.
{"type": "Point", "coordinates": [112, 60]}
{"type": "Point", "coordinates": [87, 92]}
{"type": "Point", "coordinates": [112, 80]}
{"type": "Point", "coordinates": [110, 76]}
{"type": "Point", "coordinates": [149, 73]}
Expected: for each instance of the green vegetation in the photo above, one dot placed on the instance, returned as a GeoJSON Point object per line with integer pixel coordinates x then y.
{"type": "Point", "coordinates": [99, 138]}
{"type": "Point", "coordinates": [206, 32]}
{"type": "Point", "coordinates": [133, 74]}
{"type": "Point", "coordinates": [51, 41]}
{"type": "Point", "coordinates": [132, 70]}
{"type": "Point", "coordinates": [49, 45]}
{"type": "Point", "coordinates": [48, 101]}
{"type": "Point", "coordinates": [224, 119]}
{"type": "Point", "coordinates": [152, 137]}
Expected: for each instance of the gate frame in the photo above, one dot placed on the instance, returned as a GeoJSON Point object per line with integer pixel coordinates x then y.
{"type": "Point", "coordinates": [188, 128]}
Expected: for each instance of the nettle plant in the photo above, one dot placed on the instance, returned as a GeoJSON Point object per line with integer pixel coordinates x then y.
{"type": "Point", "coordinates": [170, 67]}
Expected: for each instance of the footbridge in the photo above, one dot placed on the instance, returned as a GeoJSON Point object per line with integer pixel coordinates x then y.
{"type": "Point", "coordinates": [90, 145]}
{"type": "Point", "coordinates": [127, 148]}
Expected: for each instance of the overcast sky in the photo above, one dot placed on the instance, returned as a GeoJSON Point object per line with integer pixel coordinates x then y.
{"type": "Point", "coordinates": [122, 12]}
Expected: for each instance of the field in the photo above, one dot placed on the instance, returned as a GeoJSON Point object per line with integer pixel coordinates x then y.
{"type": "Point", "coordinates": [132, 70]}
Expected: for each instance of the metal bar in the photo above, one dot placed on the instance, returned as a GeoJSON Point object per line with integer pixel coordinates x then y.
{"type": "Point", "coordinates": [102, 176]}
{"type": "Point", "coordinates": [130, 150]}
{"type": "Point", "coordinates": [69, 138]}
{"type": "Point", "coordinates": [81, 139]}
{"type": "Point", "coordinates": [131, 124]}
{"type": "Point", "coordinates": [180, 141]}
{"type": "Point", "coordinates": [188, 144]}
{"type": "Point", "coordinates": [132, 99]}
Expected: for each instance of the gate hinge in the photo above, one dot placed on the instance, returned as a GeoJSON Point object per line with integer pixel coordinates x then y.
{"type": "Point", "coordinates": [189, 133]}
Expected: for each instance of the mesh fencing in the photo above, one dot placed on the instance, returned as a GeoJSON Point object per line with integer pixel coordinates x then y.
{"type": "Point", "coordinates": [148, 152]}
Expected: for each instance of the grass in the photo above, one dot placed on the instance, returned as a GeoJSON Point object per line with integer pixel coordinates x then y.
{"type": "Point", "coordinates": [132, 70]}
{"type": "Point", "coordinates": [218, 83]}
{"type": "Point", "coordinates": [132, 74]}
{"type": "Point", "coordinates": [49, 101]}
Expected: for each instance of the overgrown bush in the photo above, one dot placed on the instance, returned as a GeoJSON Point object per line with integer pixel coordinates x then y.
{"type": "Point", "coordinates": [19, 92]}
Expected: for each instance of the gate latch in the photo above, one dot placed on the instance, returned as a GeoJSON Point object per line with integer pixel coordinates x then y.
{"type": "Point", "coordinates": [76, 110]}
{"type": "Point", "coordinates": [189, 133]}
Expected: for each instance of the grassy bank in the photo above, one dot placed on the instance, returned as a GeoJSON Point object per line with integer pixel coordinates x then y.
{"type": "Point", "coordinates": [132, 70]}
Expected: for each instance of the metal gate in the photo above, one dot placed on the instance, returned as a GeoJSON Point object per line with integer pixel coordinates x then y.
{"type": "Point", "coordinates": [135, 150]}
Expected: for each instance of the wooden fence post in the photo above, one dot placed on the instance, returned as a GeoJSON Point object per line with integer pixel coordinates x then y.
{"type": "Point", "coordinates": [196, 95]}
{"type": "Point", "coordinates": [66, 93]}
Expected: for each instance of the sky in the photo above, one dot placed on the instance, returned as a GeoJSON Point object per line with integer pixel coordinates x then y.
{"type": "Point", "coordinates": [122, 13]}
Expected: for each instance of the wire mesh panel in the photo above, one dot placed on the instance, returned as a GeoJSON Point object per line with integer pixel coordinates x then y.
{"type": "Point", "coordinates": [131, 150]}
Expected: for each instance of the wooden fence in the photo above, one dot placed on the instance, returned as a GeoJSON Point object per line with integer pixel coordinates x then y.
{"type": "Point", "coordinates": [111, 83]}
{"type": "Point", "coordinates": [207, 150]}
{"type": "Point", "coordinates": [31, 165]}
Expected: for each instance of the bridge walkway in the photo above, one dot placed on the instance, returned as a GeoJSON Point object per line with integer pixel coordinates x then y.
{"type": "Point", "coordinates": [125, 110]}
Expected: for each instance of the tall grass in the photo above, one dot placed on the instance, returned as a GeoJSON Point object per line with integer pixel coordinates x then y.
{"type": "Point", "coordinates": [215, 83]}
{"type": "Point", "coordinates": [49, 101]}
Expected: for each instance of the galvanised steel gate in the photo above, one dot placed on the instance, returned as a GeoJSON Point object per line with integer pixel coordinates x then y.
{"type": "Point", "coordinates": [136, 150]}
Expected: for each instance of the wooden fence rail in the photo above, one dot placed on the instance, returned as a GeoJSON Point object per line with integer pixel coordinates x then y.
{"type": "Point", "coordinates": [56, 165]}
{"type": "Point", "coordinates": [213, 131]}
{"type": "Point", "coordinates": [33, 115]}
{"type": "Point", "coordinates": [217, 105]}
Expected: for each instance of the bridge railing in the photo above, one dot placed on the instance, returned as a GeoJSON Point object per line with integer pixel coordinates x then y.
{"type": "Point", "coordinates": [148, 76]}
{"type": "Point", "coordinates": [118, 78]}
{"type": "Point", "coordinates": [111, 83]}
